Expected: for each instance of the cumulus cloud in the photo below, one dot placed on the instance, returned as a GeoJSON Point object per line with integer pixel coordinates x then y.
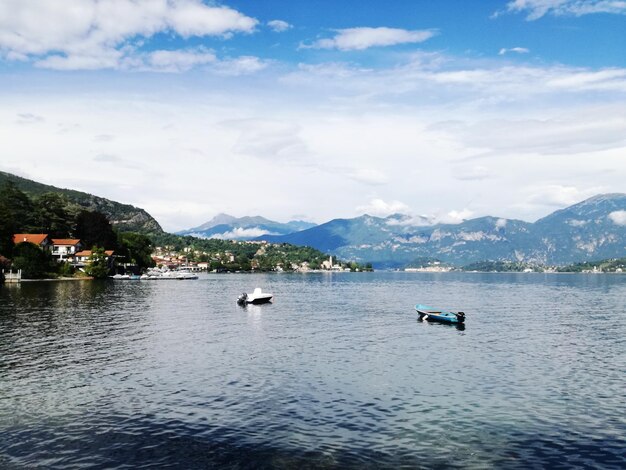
{"type": "Point", "coordinates": [618, 217]}
{"type": "Point", "coordinates": [378, 207]}
{"type": "Point", "coordinates": [454, 217]}
{"type": "Point", "coordinates": [279, 26]}
{"type": "Point", "coordinates": [95, 34]}
{"type": "Point", "coordinates": [351, 39]}
{"type": "Point", "coordinates": [536, 9]}
{"type": "Point", "coordinates": [501, 223]}
{"type": "Point", "coordinates": [517, 50]}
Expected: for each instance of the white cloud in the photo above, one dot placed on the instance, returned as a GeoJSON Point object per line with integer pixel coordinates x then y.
{"type": "Point", "coordinates": [454, 217]}
{"type": "Point", "coordinates": [369, 176]}
{"type": "Point", "coordinates": [94, 60]}
{"type": "Point", "coordinates": [104, 138]}
{"type": "Point", "coordinates": [517, 50]}
{"type": "Point", "coordinates": [539, 8]}
{"type": "Point", "coordinates": [279, 26]}
{"type": "Point", "coordinates": [559, 195]}
{"type": "Point", "coordinates": [267, 139]}
{"type": "Point", "coordinates": [106, 158]}
{"type": "Point", "coordinates": [173, 61]}
{"type": "Point", "coordinates": [243, 65]}
{"type": "Point", "coordinates": [584, 130]}
{"type": "Point", "coordinates": [179, 60]}
{"type": "Point", "coordinates": [436, 77]}
{"type": "Point", "coordinates": [618, 217]}
{"type": "Point", "coordinates": [380, 208]}
{"type": "Point", "coordinates": [29, 118]}
{"type": "Point", "coordinates": [411, 220]}
{"type": "Point", "coordinates": [363, 38]}
{"type": "Point", "coordinates": [501, 223]}
{"type": "Point", "coordinates": [91, 34]}
{"type": "Point", "coordinates": [472, 173]}
{"type": "Point", "coordinates": [239, 233]}
{"type": "Point", "coordinates": [193, 18]}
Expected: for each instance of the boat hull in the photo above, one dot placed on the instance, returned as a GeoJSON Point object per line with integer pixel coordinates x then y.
{"type": "Point", "coordinates": [440, 316]}
{"type": "Point", "coordinates": [260, 300]}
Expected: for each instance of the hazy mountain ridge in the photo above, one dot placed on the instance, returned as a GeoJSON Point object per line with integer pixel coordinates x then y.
{"type": "Point", "coordinates": [225, 226]}
{"type": "Point", "coordinates": [124, 217]}
{"type": "Point", "coordinates": [589, 230]}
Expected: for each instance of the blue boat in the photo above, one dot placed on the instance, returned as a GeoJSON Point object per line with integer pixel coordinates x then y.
{"type": "Point", "coordinates": [437, 315]}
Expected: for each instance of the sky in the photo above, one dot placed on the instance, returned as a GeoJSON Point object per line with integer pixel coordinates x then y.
{"type": "Point", "coordinates": [317, 109]}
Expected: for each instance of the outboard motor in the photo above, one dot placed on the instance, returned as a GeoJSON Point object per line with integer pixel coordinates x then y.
{"type": "Point", "coordinates": [460, 316]}
{"type": "Point", "coordinates": [241, 300]}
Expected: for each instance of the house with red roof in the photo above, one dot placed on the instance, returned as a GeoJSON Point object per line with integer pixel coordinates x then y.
{"type": "Point", "coordinates": [40, 239]}
{"type": "Point", "coordinates": [64, 248]}
{"type": "Point", "coordinates": [81, 258]}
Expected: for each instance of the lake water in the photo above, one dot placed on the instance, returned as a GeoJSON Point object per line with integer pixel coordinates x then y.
{"type": "Point", "coordinates": [336, 373]}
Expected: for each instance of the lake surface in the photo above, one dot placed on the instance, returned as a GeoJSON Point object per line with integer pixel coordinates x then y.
{"type": "Point", "coordinates": [336, 373]}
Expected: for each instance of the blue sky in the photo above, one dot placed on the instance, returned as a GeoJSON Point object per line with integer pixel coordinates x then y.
{"type": "Point", "coordinates": [337, 107]}
{"type": "Point", "coordinates": [465, 28]}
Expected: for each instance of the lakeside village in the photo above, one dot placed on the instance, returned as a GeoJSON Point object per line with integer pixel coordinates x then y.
{"type": "Point", "coordinates": [76, 262]}
{"type": "Point", "coordinates": [614, 265]}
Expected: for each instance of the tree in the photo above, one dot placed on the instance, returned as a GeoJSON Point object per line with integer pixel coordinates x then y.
{"type": "Point", "coordinates": [97, 266]}
{"type": "Point", "coordinates": [34, 262]}
{"type": "Point", "coordinates": [7, 229]}
{"type": "Point", "coordinates": [16, 215]}
{"type": "Point", "coordinates": [137, 249]}
{"type": "Point", "coordinates": [52, 215]}
{"type": "Point", "coordinates": [93, 228]}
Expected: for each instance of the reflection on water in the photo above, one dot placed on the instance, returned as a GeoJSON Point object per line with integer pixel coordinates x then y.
{"type": "Point", "coordinates": [336, 373]}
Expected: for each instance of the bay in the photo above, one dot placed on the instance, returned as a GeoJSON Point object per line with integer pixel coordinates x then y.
{"type": "Point", "coordinates": [336, 373]}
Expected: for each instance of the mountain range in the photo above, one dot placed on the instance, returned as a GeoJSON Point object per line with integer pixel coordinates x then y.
{"type": "Point", "coordinates": [227, 227]}
{"type": "Point", "coordinates": [591, 230]}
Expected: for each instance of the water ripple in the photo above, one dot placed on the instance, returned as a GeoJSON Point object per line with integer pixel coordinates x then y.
{"type": "Point", "coordinates": [337, 373]}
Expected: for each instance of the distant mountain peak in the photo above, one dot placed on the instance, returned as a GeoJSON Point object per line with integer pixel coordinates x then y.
{"type": "Point", "coordinates": [611, 197]}
{"type": "Point", "coordinates": [244, 228]}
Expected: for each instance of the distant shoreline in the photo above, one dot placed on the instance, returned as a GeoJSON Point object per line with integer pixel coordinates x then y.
{"type": "Point", "coordinates": [507, 272]}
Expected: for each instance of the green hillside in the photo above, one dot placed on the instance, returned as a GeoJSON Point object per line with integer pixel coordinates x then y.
{"type": "Point", "coordinates": [124, 217]}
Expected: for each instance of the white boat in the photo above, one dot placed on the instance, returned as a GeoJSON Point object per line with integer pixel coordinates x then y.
{"type": "Point", "coordinates": [183, 275]}
{"type": "Point", "coordinates": [164, 273]}
{"type": "Point", "coordinates": [120, 277]}
{"type": "Point", "coordinates": [257, 297]}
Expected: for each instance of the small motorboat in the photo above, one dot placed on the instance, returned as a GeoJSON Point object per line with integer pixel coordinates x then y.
{"type": "Point", "coordinates": [432, 314]}
{"type": "Point", "coordinates": [257, 297]}
{"type": "Point", "coordinates": [120, 277]}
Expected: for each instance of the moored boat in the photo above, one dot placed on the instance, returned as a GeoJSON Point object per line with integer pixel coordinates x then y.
{"type": "Point", "coordinates": [437, 315]}
{"type": "Point", "coordinates": [257, 297]}
{"type": "Point", "coordinates": [119, 277]}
